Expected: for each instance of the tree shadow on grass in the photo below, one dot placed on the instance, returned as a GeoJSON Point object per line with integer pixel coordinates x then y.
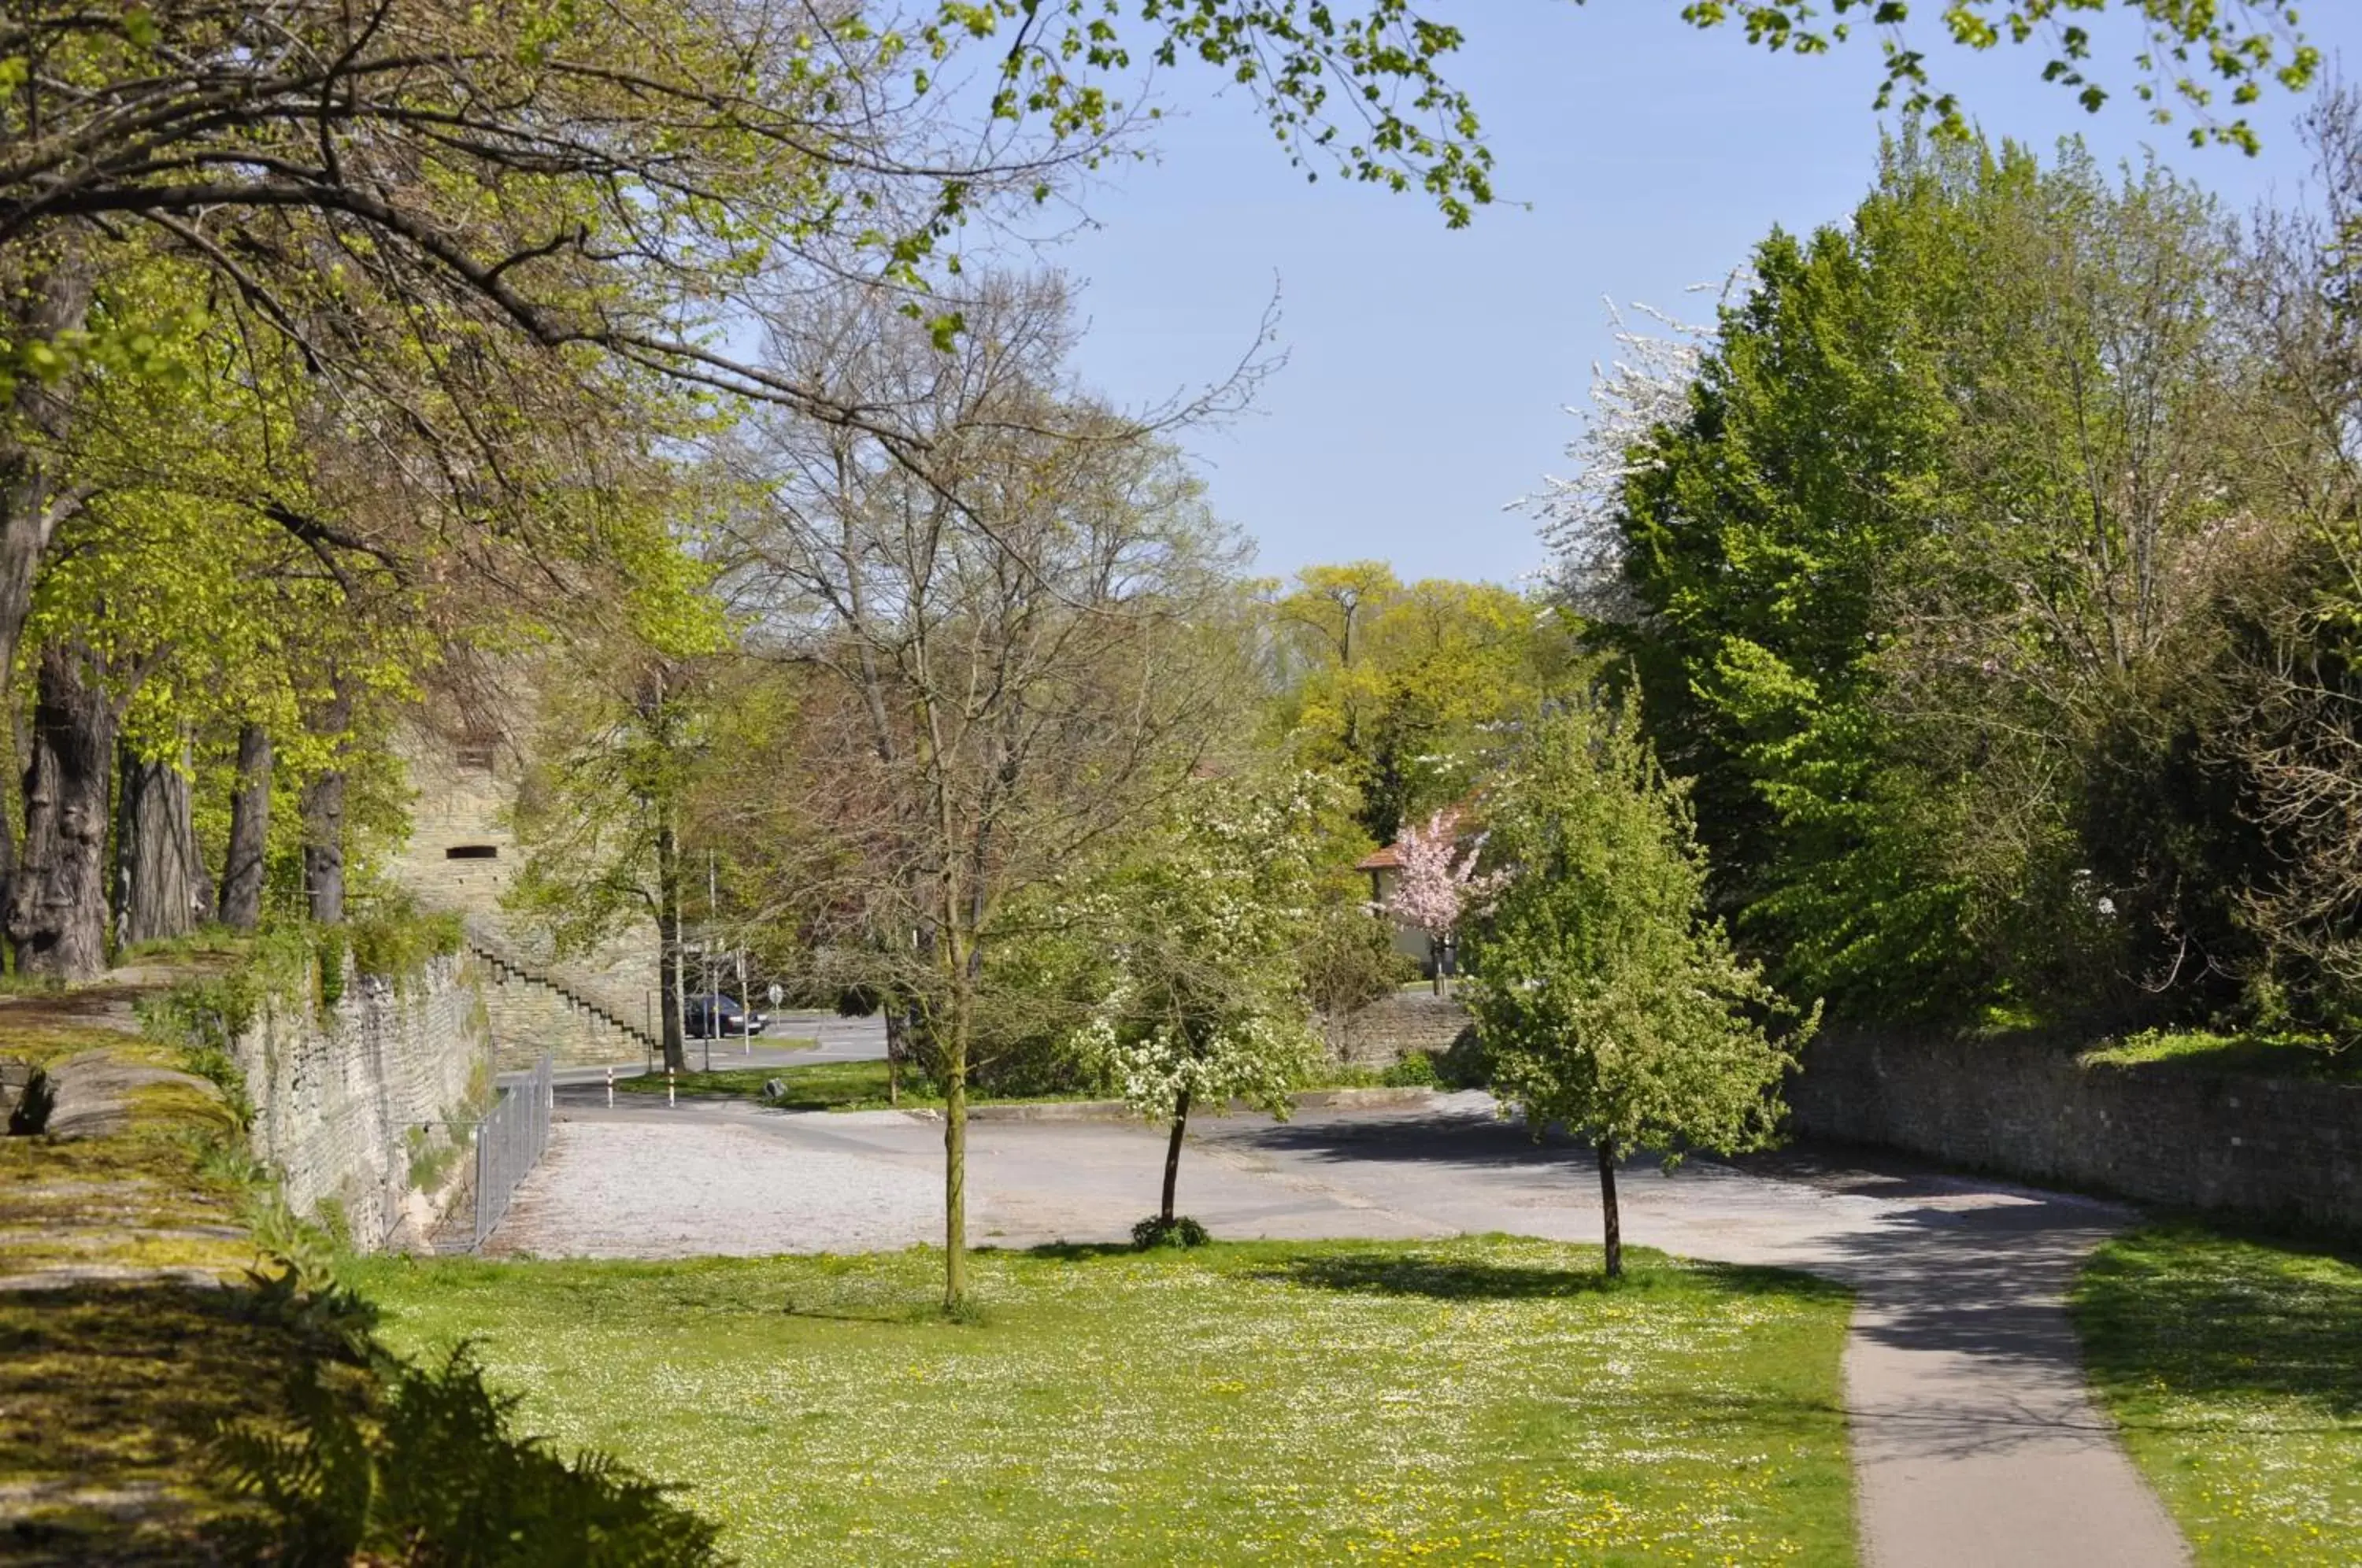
{"type": "Point", "coordinates": [1086, 1252]}
{"type": "Point", "coordinates": [1445, 1278]}
{"type": "Point", "coordinates": [110, 1396]}
{"type": "Point", "coordinates": [2189, 1312]}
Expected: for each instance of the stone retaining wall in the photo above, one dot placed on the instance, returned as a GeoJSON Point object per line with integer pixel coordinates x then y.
{"type": "Point", "coordinates": [2275, 1149]}
{"type": "Point", "coordinates": [1390, 1028]}
{"type": "Point", "coordinates": [350, 1107]}
{"type": "Point", "coordinates": [531, 1014]}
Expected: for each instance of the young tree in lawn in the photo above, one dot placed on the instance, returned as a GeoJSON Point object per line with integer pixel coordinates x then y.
{"type": "Point", "coordinates": [1016, 643]}
{"type": "Point", "coordinates": [1439, 885]}
{"type": "Point", "coordinates": [1204, 1001]}
{"type": "Point", "coordinates": [1608, 1000]}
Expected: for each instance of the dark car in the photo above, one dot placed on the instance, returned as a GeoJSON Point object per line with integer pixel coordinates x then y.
{"type": "Point", "coordinates": [718, 1016]}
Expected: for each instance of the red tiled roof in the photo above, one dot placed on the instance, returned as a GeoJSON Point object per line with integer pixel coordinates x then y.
{"type": "Point", "coordinates": [1390, 858]}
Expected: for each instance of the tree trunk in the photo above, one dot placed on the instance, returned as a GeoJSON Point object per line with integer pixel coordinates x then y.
{"type": "Point", "coordinates": [955, 1149]}
{"type": "Point", "coordinates": [249, 831]}
{"type": "Point", "coordinates": [1173, 1154]}
{"type": "Point", "coordinates": [57, 910]}
{"type": "Point", "coordinates": [7, 839]}
{"type": "Point", "coordinates": [1613, 1221]}
{"type": "Point", "coordinates": [669, 979]}
{"type": "Point", "coordinates": [896, 1024]}
{"type": "Point", "coordinates": [323, 846]}
{"type": "Point", "coordinates": [157, 875]}
{"type": "Point", "coordinates": [322, 808]}
{"type": "Point", "coordinates": [43, 302]}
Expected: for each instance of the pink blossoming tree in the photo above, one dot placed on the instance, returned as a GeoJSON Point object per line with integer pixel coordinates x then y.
{"type": "Point", "coordinates": [1439, 885]}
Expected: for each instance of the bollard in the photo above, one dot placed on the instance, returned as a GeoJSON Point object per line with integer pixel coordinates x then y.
{"type": "Point", "coordinates": [610, 1089]}
{"type": "Point", "coordinates": [669, 1098]}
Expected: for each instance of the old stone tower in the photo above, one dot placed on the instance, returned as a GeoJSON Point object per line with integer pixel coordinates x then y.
{"type": "Point", "coordinates": [462, 856]}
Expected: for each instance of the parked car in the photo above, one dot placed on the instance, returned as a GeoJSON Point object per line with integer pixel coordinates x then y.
{"type": "Point", "coordinates": [719, 1017]}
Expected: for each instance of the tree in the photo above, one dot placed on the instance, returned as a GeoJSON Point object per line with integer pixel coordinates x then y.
{"type": "Point", "coordinates": [1349, 965]}
{"type": "Point", "coordinates": [1439, 885]}
{"type": "Point", "coordinates": [1203, 1002]}
{"type": "Point", "coordinates": [1015, 646]}
{"type": "Point", "coordinates": [1904, 568]}
{"type": "Point", "coordinates": [2285, 742]}
{"type": "Point", "coordinates": [625, 732]}
{"type": "Point", "coordinates": [1608, 999]}
{"type": "Point", "coordinates": [1756, 529]}
{"type": "Point", "coordinates": [1397, 688]}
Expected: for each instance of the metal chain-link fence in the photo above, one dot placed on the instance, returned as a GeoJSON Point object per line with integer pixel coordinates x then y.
{"type": "Point", "coordinates": [509, 1140]}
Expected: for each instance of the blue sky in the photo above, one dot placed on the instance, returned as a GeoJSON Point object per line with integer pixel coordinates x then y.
{"type": "Point", "coordinates": [1427, 370]}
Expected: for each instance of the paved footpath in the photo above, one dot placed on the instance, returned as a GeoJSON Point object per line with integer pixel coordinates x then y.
{"type": "Point", "coordinates": [1975, 1445]}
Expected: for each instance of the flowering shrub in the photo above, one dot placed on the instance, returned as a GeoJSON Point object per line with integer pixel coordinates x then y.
{"type": "Point", "coordinates": [1203, 1002]}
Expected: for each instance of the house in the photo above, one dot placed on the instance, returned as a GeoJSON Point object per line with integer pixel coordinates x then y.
{"type": "Point", "coordinates": [1385, 868]}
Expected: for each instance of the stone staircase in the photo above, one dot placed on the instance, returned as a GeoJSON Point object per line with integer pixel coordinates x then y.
{"type": "Point", "coordinates": [537, 1007]}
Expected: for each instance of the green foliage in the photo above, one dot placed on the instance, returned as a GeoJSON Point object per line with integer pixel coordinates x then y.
{"type": "Point", "coordinates": [431, 1155]}
{"type": "Point", "coordinates": [1756, 533]}
{"type": "Point", "coordinates": [1348, 962]}
{"type": "Point", "coordinates": [429, 1469]}
{"type": "Point", "coordinates": [330, 949]}
{"type": "Point", "coordinates": [1180, 1231]}
{"type": "Point", "coordinates": [1465, 1064]}
{"type": "Point", "coordinates": [1396, 689]}
{"type": "Point", "coordinates": [1608, 999]}
{"type": "Point", "coordinates": [202, 1020]}
{"type": "Point", "coordinates": [2193, 56]}
{"type": "Point", "coordinates": [1203, 1001]}
{"type": "Point", "coordinates": [334, 1223]}
{"type": "Point", "coordinates": [1417, 1069]}
{"type": "Point", "coordinates": [1940, 568]}
{"type": "Point", "coordinates": [392, 940]}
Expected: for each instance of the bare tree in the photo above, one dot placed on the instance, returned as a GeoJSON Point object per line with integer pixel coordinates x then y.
{"type": "Point", "coordinates": [1014, 649]}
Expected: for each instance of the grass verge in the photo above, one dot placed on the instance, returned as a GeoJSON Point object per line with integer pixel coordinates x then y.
{"type": "Point", "coordinates": [2250, 1055]}
{"type": "Point", "coordinates": [861, 1085]}
{"type": "Point", "coordinates": [2234, 1369]}
{"type": "Point", "coordinates": [1483, 1400]}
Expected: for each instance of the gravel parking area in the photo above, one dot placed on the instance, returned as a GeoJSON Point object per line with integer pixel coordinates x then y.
{"type": "Point", "coordinates": [686, 1188]}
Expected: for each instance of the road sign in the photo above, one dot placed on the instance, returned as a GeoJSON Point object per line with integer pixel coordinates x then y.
{"type": "Point", "coordinates": [777, 995]}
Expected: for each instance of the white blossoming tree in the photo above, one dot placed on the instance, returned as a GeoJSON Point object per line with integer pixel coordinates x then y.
{"type": "Point", "coordinates": [1439, 885]}
{"type": "Point", "coordinates": [1203, 1002]}
{"type": "Point", "coordinates": [1645, 386]}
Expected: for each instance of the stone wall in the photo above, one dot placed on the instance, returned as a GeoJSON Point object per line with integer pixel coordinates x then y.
{"type": "Point", "coordinates": [350, 1107]}
{"type": "Point", "coordinates": [1389, 1030]}
{"type": "Point", "coordinates": [531, 1014]}
{"type": "Point", "coordinates": [461, 857]}
{"type": "Point", "coordinates": [2275, 1149]}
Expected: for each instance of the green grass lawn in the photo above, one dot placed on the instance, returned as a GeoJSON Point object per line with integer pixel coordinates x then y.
{"type": "Point", "coordinates": [812, 1086]}
{"type": "Point", "coordinates": [1476, 1400]}
{"type": "Point", "coordinates": [861, 1085]}
{"type": "Point", "coordinates": [2197, 1050]}
{"type": "Point", "coordinates": [2235, 1371]}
